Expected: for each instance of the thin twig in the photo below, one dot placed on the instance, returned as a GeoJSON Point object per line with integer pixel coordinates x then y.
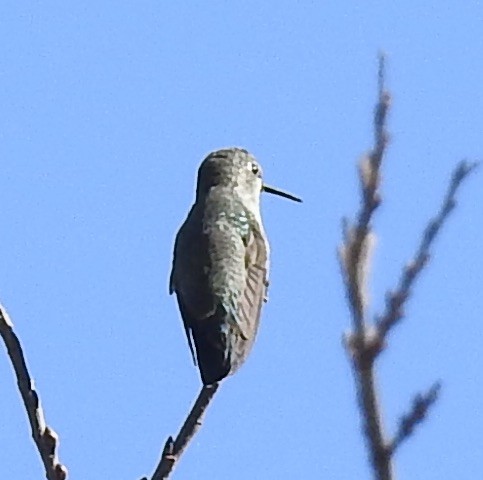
{"type": "Point", "coordinates": [173, 449]}
{"type": "Point", "coordinates": [355, 252]}
{"type": "Point", "coordinates": [45, 438]}
{"type": "Point", "coordinates": [395, 300]}
{"type": "Point", "coordinates": [355, 262]}
{"type": "Point", "coordinates": [419, 410]}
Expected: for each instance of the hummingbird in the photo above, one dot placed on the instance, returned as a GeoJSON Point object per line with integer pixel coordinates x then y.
{"type": "Point", "coordinates": [221, 262]}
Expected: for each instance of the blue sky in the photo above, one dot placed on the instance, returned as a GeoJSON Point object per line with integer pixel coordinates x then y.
{"type": "Point", "coordinates": [108, 109]}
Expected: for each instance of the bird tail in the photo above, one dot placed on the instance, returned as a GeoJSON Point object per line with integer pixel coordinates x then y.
{"type": "Point", "coordinates": [211, 351]}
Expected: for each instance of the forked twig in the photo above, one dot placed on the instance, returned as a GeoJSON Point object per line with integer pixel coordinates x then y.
{"type": "Point", "coordinates": [367, 339]}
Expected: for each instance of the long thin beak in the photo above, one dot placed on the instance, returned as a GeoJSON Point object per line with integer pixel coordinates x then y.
{"type": "Point", "coordinates": [280, 193]}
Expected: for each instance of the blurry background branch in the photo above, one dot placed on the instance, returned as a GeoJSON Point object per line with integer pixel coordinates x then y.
{"type": "Point", "coordinates": [395, 300]}
{"type": "Point", "coordinates": [46, 440]}
{"type": "Point", "coordinates": [367, 339]}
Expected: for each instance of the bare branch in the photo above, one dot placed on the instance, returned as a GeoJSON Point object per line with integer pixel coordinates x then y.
{"type": "Point", "coordinates": [366, 340]}
{"type": "Point", "coordinates": [419, 410]}
{"type": "Point", "coordinates": [355, 258]}
{"type": "Point", "coordinates": [355, 252]}
{"type": "Point", "coordinates": [173, 449]}
{"type": "Point", "coordinates": [395, 300]}
{"type": "Point", "coordinates": [45, 438]}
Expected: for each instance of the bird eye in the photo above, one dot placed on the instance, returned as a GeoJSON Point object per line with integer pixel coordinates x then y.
{"type": "Point", "coordinates": [255, 168]}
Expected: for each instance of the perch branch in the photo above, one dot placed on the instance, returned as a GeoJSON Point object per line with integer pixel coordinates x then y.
{"type": "Point", "coordinates": [45, 438]}
{"type": "Point", "coordinates": [173, 449]}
